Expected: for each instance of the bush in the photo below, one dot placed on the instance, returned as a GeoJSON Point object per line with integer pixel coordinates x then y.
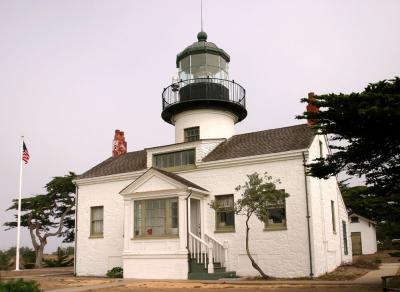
{"type": "Point", "coordinates": [61, 260]}
{"type": "Point", "coordinates": [29, 266]}
{"type": "Point", "coordinates": [367, 264]}
{"type": "Point", "coordinates": [19, 285]}
{"type": "Point", "coordinates": [5, 259]}
{"type": "Point", "coordinates": [116, 272]}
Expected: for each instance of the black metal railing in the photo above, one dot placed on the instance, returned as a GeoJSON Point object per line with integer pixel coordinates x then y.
{"type": "Point", "coordinates": [203, 89]}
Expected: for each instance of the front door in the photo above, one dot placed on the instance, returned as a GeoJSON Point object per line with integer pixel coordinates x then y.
{"type": "Point", "coordinates": [195, 218]}
{"type": "Point", "coordinates": [356, 243]}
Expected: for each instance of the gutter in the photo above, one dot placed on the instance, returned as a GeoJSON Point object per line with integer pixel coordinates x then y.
{"type": "Point", "coordinates": [75, 227]}
{"type": "Point", "coordinates": [187, 228]}
{"type": "Point", "coordinates": [308, 215]}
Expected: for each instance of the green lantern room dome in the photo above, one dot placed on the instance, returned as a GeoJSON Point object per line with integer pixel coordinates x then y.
{"type": "Point", "coordinates": [201, 47]}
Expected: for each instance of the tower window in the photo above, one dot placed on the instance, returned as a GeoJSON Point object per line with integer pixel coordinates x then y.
{"type": "Point", "coordinates": [192, 134]}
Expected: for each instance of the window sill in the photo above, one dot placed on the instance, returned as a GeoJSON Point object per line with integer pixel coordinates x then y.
{"type": "Point", "coordinates": [96, 236]}
{"type": "Point", "coordinates": [275, 228]}
{"type": "Point", "coordinates": [225, 230]}
{"type": "Point", "coordinates": [179, 168]}
{"type": "Point", "coordinates": [155, 237]}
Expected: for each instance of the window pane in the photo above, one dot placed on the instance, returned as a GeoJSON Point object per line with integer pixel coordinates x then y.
{"type": "Point", "coordinates": [276, 215]}
{"type": "Point", "coordinates": [174, 159]}
{"type": "Point", "coordinates": [192, 134]}
{"type": "Point", "coordinates": [160, 218]}
{"type": "Point", "coordinates": [185, 64]}
{"type": "Point", "coordinates": [225, 215]}
{"type": "Point", "coordinates": [96, 215]}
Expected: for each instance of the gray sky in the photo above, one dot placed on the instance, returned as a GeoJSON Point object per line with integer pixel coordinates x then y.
{"type": "Point", "coordinates": [71, 72]}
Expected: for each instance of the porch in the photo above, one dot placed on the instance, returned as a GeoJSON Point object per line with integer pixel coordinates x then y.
{"type": "Point", "coordinates": [164, 230]}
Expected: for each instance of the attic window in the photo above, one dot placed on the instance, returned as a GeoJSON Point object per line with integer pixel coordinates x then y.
{"type": "Point", "coordinates": [354, 219]}
{"type": "Point", "coordinates": [174, 159]}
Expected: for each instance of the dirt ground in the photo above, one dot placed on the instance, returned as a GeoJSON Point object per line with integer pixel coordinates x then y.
{"type": "Point", "coordinates": [57, 278]}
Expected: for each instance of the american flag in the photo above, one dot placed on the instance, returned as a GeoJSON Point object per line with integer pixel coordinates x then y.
{"type": "Point", "coordinates": [25, 153]}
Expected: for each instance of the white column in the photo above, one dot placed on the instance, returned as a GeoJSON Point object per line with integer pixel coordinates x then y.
{"type": "Point", "coordinates": [182, 223]}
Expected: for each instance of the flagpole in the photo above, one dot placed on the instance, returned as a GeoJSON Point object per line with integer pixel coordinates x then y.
{"type": "Point", "coordinates": [19, 206]}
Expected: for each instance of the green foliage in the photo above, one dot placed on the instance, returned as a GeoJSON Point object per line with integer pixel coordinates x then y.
{"type": "Point", "coordinates": [50, 214]}
{"type": "Point", "coordinates": [62, 259]}
{"type": "Point", "coordinates": [375, 204]}
{"type": "Point", "coordinates": [69, 250]}
{"type": "Point", "coordinates": [366, 125]}
{"type": "Point", "coordinates": [116, 272]}
{"type": "Point", "coordinates": [27, 255]}
{"type": "Point", "coordinates": [19, 285]}
{"type": "Point", "coordinates": [257, 193]}
{"type": "Point", "coordinates": [5, 260]}
{"type": "Point", "coordinates": [43, 210]}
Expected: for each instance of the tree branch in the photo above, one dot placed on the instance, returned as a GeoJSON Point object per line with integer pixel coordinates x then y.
{"type": "Point", "coordinates": [60, 226]}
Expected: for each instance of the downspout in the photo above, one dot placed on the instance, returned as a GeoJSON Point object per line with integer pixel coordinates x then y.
{"type": "Point", "coordinates": [75, 227]}
{"type": "Point", "coordinates": [187, 228]}
{"type": "Point", "coordinates": [308, 215]}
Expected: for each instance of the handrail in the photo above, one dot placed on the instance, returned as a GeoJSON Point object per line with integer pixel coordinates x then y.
{"type": "Point", "coordinates": [220, 251]}
{"type": "Point", "coordinates": [201, 251]}
{"type": "Point", "coordinates": [228, 91]}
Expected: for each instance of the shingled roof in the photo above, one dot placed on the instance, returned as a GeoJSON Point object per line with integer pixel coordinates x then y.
{"type": "Point", "coordinates": [263, 142]}
{"type": "Point", "coordinates": [249, 144]}
{"type": "Point", "coordinates": [128, 162]}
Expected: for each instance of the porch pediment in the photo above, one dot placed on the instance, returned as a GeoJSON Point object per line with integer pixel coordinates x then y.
{"type": "Point", "coordinates": [155, 180]}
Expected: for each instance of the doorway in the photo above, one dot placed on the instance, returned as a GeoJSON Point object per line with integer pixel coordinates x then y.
{"type": "Point", "coordinates": [195, 217]}
{"type": "Point", "coordinates": [356, 243]}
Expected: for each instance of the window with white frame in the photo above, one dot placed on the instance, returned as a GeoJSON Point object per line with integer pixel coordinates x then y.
{"type": "Point", "coordinates": [156, 218]}
{"type": "Point", "coordinates": [96, 221]}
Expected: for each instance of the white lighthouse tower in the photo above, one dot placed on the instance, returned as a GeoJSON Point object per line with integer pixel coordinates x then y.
{"type": "Point", "coordinates": [203, 103]}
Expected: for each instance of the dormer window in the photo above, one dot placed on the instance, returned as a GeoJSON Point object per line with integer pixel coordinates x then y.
{"type": "Point", "coordinates": [176, 159]}
{"type": "Point", "coordinates": [192, 134]}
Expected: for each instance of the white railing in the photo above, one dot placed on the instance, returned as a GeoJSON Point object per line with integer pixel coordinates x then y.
{"type": "Point", "coordinates": [200, 251]}
{"type": "Point", "coordinates": [219, 250]}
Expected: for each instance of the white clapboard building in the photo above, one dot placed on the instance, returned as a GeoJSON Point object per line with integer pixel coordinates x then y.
{"type": "Point", "coordinates": [363, 235]}
{"type": "Point", "coordinates": [148, 210]}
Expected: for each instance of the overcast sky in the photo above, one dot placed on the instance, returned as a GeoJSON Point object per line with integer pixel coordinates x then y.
{"type": "Point", "coordinates": [71, 72]}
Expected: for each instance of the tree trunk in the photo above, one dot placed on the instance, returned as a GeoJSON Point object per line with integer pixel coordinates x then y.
{"type": "Point", "coordinates": [253, 262]}
{"type": "Point", "coordinates": [39, 256]}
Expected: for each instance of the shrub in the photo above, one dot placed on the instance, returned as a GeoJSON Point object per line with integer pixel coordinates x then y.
{"type": "Point", "coordinates": [29, 266]}
{"type": "Point", "coordinates": [367, 264]}
{"type": "Point", "coordinates": [61, 260]}
{"type": "Point", "coordinates": [116, 272]}
{"type": "Point", "coordinates": [19, 285]}
{"type": "Point", "coordinates": [5, 259]}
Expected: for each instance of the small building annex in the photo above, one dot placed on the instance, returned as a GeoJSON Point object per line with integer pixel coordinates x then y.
{"type": "Point", "coordinates": [148, 210]}
{"type": "Point", "coordinates": [363, 235]}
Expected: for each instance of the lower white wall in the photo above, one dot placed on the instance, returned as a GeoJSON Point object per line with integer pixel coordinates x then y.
{"type": "Point", "coordinates": [94, 256]}
{"type": "Point", "coordinates": [156, 267]}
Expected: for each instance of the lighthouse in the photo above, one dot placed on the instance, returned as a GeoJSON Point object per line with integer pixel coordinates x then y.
{"type": "Point", "coordinates": [202, 103]}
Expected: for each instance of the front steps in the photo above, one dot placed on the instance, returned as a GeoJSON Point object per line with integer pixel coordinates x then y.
{"type": "Point", "coordinates": [199, 272]}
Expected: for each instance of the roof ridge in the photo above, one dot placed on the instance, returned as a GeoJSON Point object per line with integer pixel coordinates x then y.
{"type": "Point", "coordinates": [286, 127]}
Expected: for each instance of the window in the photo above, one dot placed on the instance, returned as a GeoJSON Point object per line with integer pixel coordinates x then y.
{"type": "Point", "coordinates": [276, 216]}
{"type": "Point", "coordinates": [156, 218]}
{"type": "Point", "coordinates": [354, 219]}
{"type": "Point", "coordinates": [96, 221]}
{"type": "Point", "coordinates": [321, 151]}
{"type": "Point", "coordinates": [346, 248]}
{"type": "Point", "coordinates": [192, 134]}
{"type": "Point", "coordinates": [174, 159]}
{"type": "Point", "coordinates": [333, 216]}
{"type": "Point", "coordinates": [225, 214]}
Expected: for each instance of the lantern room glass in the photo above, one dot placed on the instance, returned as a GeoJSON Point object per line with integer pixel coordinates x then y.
{"type": "Point", "coordinates": [203, 66]}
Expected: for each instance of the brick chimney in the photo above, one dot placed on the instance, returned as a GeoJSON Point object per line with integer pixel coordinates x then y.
{"type": "Point", "coordinates": [311, 107]}
{"type": "Point", "coordinates": [119, 145]}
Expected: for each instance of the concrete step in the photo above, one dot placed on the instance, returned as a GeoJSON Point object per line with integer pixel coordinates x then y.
{"type": "Point", "coordinates": [213, 276]}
